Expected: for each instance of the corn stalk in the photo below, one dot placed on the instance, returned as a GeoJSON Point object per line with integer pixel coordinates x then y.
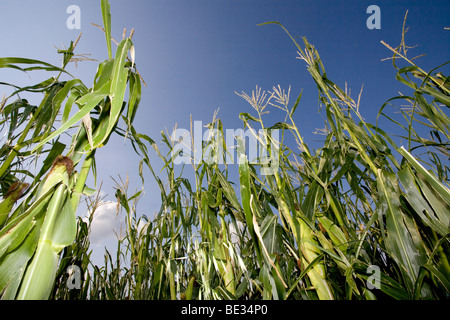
{"type": "Point", "coordinates": [36, 232]}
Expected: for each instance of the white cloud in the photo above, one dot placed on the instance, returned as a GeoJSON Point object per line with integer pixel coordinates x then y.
{"type": "Point", "coordinates": [106, 224]}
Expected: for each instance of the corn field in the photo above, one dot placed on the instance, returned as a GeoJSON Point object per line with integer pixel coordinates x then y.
{"type": "Point", "coordinates": [360, 218]}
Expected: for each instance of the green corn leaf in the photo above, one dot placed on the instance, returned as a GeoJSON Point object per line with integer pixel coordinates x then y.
{"type": "Point", "coordinates": [294, 107]}
{"type": "Point", "coordinates": [57, 231]}
{"type": "Point", "coordinates": [62, 93]}
{"type": "Point", "coordinates": [103, 75]}
{"type": "Point", "coordinates": [230, 194]}
{"type": "Point", "coordinates": [90, 100]}
{"type": "Point", "coordinates": [15, 191]}
{"type": "Point", "coordinates": [336, 235]}
{"type": "Point", "coordinates": [57, 149]}
{"type": "Point", "coordinates": [225, 294]}
{"type": "Point", "coordinates": [440, 207]}
{"type": "Point", "coordinates": [443, 191]}
{"type": "Point", "coordinates": [117, 90]}
{"type": "Point", "coordinates": [443, 279]}
{"type": "Point", "coordinates": [38, 279]}
{"type": "Point", "coordinates": [13, 265]}
{"type": "Point", "coordinates": [33, 210]}
{"type": "Point", "coordinates": [244, 178]}
{"type": "Point", "coordinates": [438, 120]}
{"type": "Point", "coordinates": [134, 96]}
{"type": "Point", "coordinates": [445, 99]}
{"type": "Point", "coordinates": [312, 199]}
{"type": "Point", "coordinates": [400, 240]}
{"type": "Point", "coordinates": [388, 285]}
{"type": "Point", "coordinates": [65, 227]}
{"type": "Point", "coordinates": [69, 103]}
{"type": "Point", "coordinates": [10, 62]}
{"type": "Point", "coordinates": [246, 116]}
{"type": "Point", "coordinates": [265, 277]}
{"type": "Point", "coordinates": [433, 215]}
{"type": "Point", "coordinates": [271, 234]}
{"type": "Point", "coordinates": [9, 241]}
{"type": "Point", "coordinates": [190, 288]}
{"type": "Point", "coordinates": [47, 113]}
{"type": "Point", "coordinates": [106, 15]}
{"type": "Point", "coordinates": [406, 81]}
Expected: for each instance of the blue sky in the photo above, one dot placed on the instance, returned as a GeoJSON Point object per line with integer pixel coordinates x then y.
{"type": "Point", "coordinates": [195, 54]}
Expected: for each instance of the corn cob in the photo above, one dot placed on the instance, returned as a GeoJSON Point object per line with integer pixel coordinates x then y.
{"type": "Point", "coordinates": [14, 193]}
{"type": "Point", "coordinates": [58, 230]}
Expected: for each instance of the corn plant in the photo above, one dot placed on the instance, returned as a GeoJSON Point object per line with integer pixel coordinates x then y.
{"type": "Point", "coordinates": [358, 218]}
{"type": "Point", "coordinates": [317, 226]}
{"type": "Point", "coordinates": [35, 231]}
